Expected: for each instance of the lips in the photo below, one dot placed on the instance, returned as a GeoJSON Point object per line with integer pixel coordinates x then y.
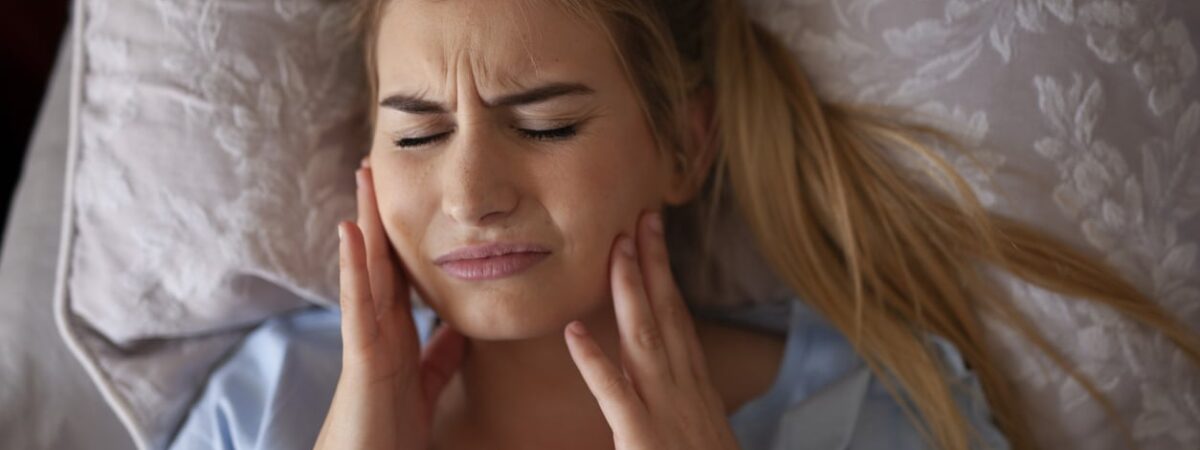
{"type": "Point", "coordinates": [491, 261]}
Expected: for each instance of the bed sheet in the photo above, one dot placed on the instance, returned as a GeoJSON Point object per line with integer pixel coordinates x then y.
{"type": "Point", "coordinates": [47, 400]}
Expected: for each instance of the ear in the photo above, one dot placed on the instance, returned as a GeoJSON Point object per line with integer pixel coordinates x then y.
{"type": "Point", "coordinates": [699, 149]}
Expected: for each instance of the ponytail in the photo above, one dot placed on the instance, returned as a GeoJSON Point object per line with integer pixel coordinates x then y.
{"type": "Point", "coordinates": [882, 256]}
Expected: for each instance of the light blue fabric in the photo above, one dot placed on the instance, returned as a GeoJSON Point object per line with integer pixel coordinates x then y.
{"type": "Point", "coordinates": [274, 391]}
{"type": "Point", "coordinates": [824, 396]}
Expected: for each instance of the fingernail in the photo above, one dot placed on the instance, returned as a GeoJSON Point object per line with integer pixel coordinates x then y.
{"type": "Point", "coordinates": [626, 246]}
{"type": "Point", "coordinates": [340, 232]}
{"type": "Point", "coordinates": [358, 181]}
{"type": "Point", "coordinates": [366, 161]}
{"type": "Point", "coordinates": [576, 328]}
{"type": "Point", "coordinates": [654, 222]}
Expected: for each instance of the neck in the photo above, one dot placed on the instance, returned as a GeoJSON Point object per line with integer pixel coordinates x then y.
{"type": "Point", "coordinates": [512, 391]}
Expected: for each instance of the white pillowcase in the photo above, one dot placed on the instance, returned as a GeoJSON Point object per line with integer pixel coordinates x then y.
{"type": "Point", "coordinates": [211, 156]}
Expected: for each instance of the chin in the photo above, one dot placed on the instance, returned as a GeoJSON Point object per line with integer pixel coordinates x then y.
{"type": "Point", "coordinates": [512, 312]}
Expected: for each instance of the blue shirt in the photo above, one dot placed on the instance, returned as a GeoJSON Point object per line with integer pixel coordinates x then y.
{"type": "Point", "coordinates": [275, 389]}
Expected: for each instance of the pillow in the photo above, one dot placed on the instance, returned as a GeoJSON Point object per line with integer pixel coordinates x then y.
{"type": "Point", "coordinates": [211, 156]}
{"type": "Point", "coordinates": [1084, 115]}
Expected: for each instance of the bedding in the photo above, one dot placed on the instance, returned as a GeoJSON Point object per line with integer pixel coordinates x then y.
{"type": "Point", "coordinates": [211, 155]}
{"type": "Point", "coordinates": [43, 389]}
{"type": "Point", "coordinates": [212, 145]}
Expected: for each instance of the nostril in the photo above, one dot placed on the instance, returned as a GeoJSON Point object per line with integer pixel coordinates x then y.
{"type": "Point", "coordinates": [492, 216]}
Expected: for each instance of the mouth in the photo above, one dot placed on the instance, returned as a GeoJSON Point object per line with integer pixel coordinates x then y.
{"type": "Point", "coordinates": [491, 261]}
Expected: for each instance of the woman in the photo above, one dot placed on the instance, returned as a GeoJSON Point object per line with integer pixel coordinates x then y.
{"type": "Point", "coordinates": [522, 152]}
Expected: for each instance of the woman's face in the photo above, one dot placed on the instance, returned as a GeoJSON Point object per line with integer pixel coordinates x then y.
{"type": "Point", "coordinates": [509, 152]}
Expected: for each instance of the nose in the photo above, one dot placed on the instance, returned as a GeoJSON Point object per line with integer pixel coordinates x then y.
{"type": "Point", "coordinates": [478, 183]}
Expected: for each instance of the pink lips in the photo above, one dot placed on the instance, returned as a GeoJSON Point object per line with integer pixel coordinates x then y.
{"type": "Point", "coordinates": [491, 261]}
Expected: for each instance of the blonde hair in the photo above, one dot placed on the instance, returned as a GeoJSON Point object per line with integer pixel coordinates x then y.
{"type": "Point", "coordinates": [882, 256]}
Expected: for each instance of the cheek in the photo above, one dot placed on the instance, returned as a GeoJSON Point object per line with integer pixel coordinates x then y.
{"type": "Point", "coordinates": [403, 207]}
{"type": "Point", "coordinates": [600, 191]}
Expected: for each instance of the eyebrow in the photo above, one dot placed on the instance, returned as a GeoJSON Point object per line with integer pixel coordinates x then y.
{"type": "Point", "coordinates": [414, 104]}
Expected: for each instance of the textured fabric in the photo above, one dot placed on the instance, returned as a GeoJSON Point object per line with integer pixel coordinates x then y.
{"type": "Point", "coordinates": [274, 392]}
{"type": "Point", "coordinates": [211, 156]}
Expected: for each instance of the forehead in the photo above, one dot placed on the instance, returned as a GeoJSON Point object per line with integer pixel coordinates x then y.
{"type": "Point", "coordinates": [423, 44]}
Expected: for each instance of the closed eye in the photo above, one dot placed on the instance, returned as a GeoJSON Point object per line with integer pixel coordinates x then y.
{"type": "Point", "coordinates": [553, 134]}
{"type": "Point", "coordinates": [419, 141]}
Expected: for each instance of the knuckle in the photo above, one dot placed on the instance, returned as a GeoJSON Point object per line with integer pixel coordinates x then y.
{"type": "Point", "coordinates": [648, 337]}
{"type": "Point", "coordinates": [359, 357]}
{"type": "Point", "coordinates": [672, 312]}
{"type": "Point", "coordinates": [614, 385]}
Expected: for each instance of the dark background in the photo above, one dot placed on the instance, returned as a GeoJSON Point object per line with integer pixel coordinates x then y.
{"type": "Point", "coordinates": [29, 37]}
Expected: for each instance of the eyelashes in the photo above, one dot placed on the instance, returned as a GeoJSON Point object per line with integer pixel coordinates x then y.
{"type": "Point", "coordinates": [553, 134]}
{"type": "Point", "coordinates": [420, 141]}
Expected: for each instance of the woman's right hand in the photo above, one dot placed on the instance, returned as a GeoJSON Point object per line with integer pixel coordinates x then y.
{"type": "Point", "coordinates": [387, 389]}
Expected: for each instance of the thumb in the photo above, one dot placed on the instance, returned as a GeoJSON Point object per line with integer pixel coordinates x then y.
{"type": "Point", "coordinates": [439, 361]}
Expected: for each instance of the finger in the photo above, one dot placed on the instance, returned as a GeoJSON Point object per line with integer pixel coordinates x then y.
{"type": "Point", "coordinates": [442, 357]}
{"type": "Point", "coordinates": [622, 407]}
{"type": "Point", "coordinates": [665, 300]}
{"type": "Point", "coordinates": [379, 260]}
{"type": "Point", "coordinates": [382, 259]}
{"type": "Point", "coordinates": [703, 381]}
{"type": "Point", "coordinates": [359, 328]}
{"type": "Point", "coordinates": [388, 285]}
{"type": "Point", "coordinates": [642, 350]}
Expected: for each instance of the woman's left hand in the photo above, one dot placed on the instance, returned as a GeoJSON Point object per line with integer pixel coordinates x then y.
{"type": "Point", "coordinates": [661, 396]}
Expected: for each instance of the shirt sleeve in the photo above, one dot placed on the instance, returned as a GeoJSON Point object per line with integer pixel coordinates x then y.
{"type": "Point", "coordinates": [883, 424]}
{"type": "Point", "coordinates": [275, 389]}
{"type": "Point", "coordinates": [827, 398]}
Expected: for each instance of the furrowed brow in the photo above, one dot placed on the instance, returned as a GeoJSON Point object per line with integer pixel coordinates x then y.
{"type": "Point", "coordinates": [416, 105]}
{"type": "Point", "coordinates": [541, 94]}
{"type": "Point", "coordinates": [412, 104]}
